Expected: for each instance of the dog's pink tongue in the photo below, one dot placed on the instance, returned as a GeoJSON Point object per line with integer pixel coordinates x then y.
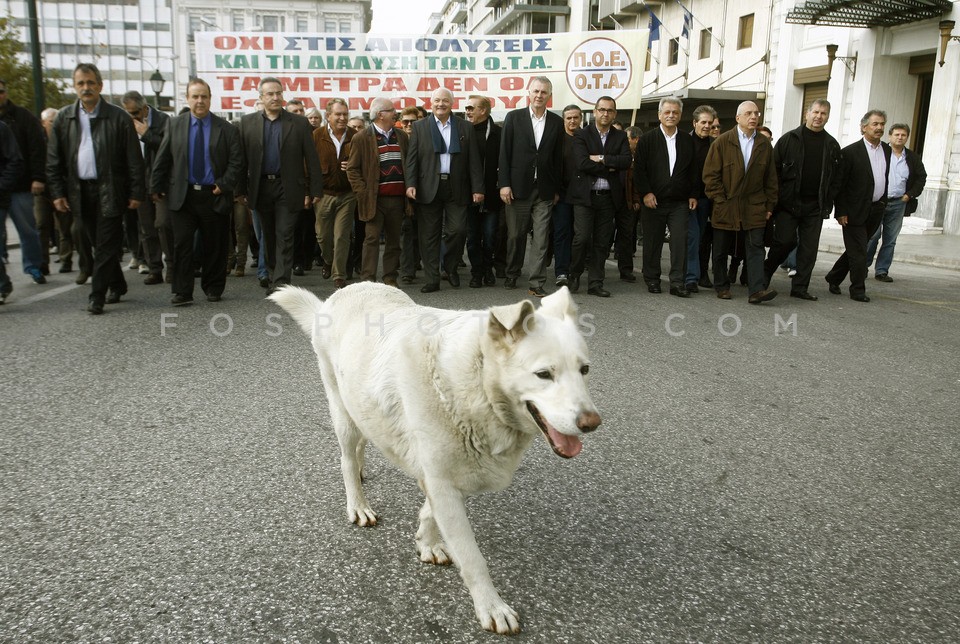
{"type": "Point", "coordinates": [566, 446]}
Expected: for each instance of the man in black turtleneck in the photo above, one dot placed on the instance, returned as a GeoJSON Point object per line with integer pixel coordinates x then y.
{"type": "Point", "coordinates": [807, 161]}
{"type": "Point", "coordinates": [482, 218]}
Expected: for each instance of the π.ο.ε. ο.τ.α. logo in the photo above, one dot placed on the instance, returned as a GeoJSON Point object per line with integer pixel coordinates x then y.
{"type": "Point", "coordinates": [599, 67]}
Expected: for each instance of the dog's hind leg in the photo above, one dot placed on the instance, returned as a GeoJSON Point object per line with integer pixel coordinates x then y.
{"type": "Point", "coordinates": [430, 545]}
{"type": "Point", "coordinates": [352, 445]}
{"type": "Point", "coordinates": [450, 514]}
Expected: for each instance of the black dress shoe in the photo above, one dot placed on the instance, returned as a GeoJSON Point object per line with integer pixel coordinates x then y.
{"type": "Point", "coordinates": [298, 270]}
{"type": "Point", "coordinates": [803, 295]}
{"type": "Point", "coordinates": [476, 282]}
{"type": "Point", "coordinates": [114, 296]}
{"type": "Point", "coordinates": [95, 308]}
{"type": "Point", "coordinates": [679, 291]}
{"type": "Point", "coordinates": [213, 298]}
{"type": "Point", "coordinates": [66, 267]}
{"type": "Point", "coordinates": [859, 298]}
{"type": "Point", "coordinates": [454, 280]}
{"type": "Point", "coordinates": [430, 288]}
{"type": "Point", "coordinates": [574, 283]}
{"type": "Point", "coordinates": [325, 271]}
{"type": "Point", "coordinates": [510, 283]}
{"type": "Point", "coordinates": [181, 300]}
{"type": "Point", "coordinates": [654, 288]}
{"type": "Point", "coordinates": [599, 291]}
{"type": "Point", "coordinates": [692, 287]}
{"type": "Point", "coordinates": [833, 288]}
{"type": "Point", "coordinates": [705, 282]}
{"type": "Point", "coordinates": [628, 277]}
{"type": "Point", "coordinates": [883, 277]}
{"type": "Point", "coordinates": [153, 278]}
{"type": "Point", "coordinates": [489, 279]}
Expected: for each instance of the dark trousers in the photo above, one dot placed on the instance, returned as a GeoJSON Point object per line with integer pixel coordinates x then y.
{"type": "Point", "coordinates": [481, 238]}
{"type": "Point", "coordinates": [593, 227]}
{"type": "Point", "coordinates": [104, 237]}
{"type": "Point", "coordinates": [152, 222]}
{"type": "Point", "coordinates": [279, 224]}
{"type": "Point", "coordinates": [410, 249]}
{"type": "Point", "coordinates": [305, 239]}
{"type": "Point", "coordinates": [626, 238]}
{"type": "Point", "coordinates": [800, 230]}
{"type": "Point", "coordinates": [388, 220]}
{"type": "Point", "coordinates": [442, 217]}
{"type": "Point", "coordinates": [131, 233]}
{"type": "Point", "coordinates": [562, 237]}
{"type": "Point", "coordinates": [198, 214]}
{"type": "Point", "coordinates": [655, 221]}
{"type": "Point", "coordinates": [724, 242]}
{"type": "Point", "coordinates": [355, 256]}
{"type": "Point", "coordinates": [854, 258]}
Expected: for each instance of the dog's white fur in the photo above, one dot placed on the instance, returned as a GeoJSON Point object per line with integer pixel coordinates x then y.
{"type": "Point", "coordinates": [453, 398]}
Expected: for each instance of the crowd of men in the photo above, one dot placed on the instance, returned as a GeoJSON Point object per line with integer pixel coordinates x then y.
{"type": "Point", "coordinates": [184, 193]}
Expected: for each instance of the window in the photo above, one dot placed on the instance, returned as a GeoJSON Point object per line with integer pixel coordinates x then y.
{"type": "Point", "coordinates": [745, 36]}
{"type": "Point", "coordinates": [237, 22]}
{"type": "Point", "coordinates": [270, 23]}
{"type": "Point", "coordinates": [302, 22]}
{"type": "Point", "coordinates": [330, 26]}
{"type": "Point", "coordinates": [706, 41]}
{"type": "Point", "coordinates": [346, 26]}
{"type": "Point", "coordinates": [646, 65]}
{"type": "Point", "coordinates": [674, 51]}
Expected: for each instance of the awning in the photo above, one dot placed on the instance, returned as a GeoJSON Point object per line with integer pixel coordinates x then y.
{"type": "Point", "coordinates": [876, 13]}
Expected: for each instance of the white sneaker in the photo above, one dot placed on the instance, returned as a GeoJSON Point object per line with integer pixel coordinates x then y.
{"type": "Point", "coordinates": [562, 280]}
{"type": "Point", "coordinates": [791, 272]}
{"type": "Point", "coordinates": [134, 264]}
{"type": "Point", "coordinates": [143, 269]}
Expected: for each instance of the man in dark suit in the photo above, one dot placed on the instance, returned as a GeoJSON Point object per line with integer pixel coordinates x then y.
{"type": "Point", "coordinates": [906, 180]}
{"type": "Point", "coordinates": [597, 193]}
{"type": "Point", "coordinates": [155, 235]}
{"type": "Point", "coordinates": [739, 177]}
{"type": "Point", "coordinates": [95, 169]}
{"type": "Point", "coordinates": [283, 176]}
{"type": "Point", "coordinates": [861, 202]}
{"type": "Point", "coordinates": [531, 169]}
{"type": "Point", "coordinates": [663, 176]}
{"type": "Point", "coordinates": [444, 175]}
{"type": "Point", "coordinates": [197, 168]}
{"type": "Point", "coordinates": [483, 218]}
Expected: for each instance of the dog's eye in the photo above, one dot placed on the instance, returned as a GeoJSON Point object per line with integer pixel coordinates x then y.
{"type": "Point", "coordinates": [544, 374]}
{"type": "Point", "coordinates": [585, 369]}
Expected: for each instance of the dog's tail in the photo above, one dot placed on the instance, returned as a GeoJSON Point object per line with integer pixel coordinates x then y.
{"type": "Point", "coordinates": [304, 307]}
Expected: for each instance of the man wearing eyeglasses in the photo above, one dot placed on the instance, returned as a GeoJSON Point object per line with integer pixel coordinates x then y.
{"type": "Point", "coordinates": [444, 175]}
{"type": "Point", "coordinates": [740, 177]}
{"type": "Point", "coordinates": [601, 154]}
{"type": "Point", "coordinates": [376, 172]}
{"type": "Point", "coordinates": [283, 176]}
{"type": "Point", "coordinates": [531, 168]}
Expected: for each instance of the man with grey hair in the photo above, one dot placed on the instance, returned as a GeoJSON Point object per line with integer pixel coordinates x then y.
{"type": "Point", "coordinates": [376, 171]}
{"type": "Point", "coordinates": [860, 204]}
{"type": "Point", "coordinates": [531, 168]}
{"type": "Point", "coordinates": [739, 177]}
{"type": "Point", "coordinates": [152, 228]}
{"type": "Point", "coordinates": [808, 162]}
{"type": "Point", "coordinates": [663, 175]}
{"type": "Point", "coordinates": [336, 209]}
{"type": "Point", "coordinates": [444, 174]}
{"type": "Point", "coordinates": [283, 177]}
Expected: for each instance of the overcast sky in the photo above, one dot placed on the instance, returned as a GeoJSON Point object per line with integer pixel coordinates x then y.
{"type": "Point", "coordinates": [403, 16]}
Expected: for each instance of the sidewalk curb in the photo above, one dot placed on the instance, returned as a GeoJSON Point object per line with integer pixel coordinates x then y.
{"type": "Point", "coordinates": [920, 259]}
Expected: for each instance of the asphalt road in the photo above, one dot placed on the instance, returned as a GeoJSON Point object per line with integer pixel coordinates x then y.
{"type": "Point", "coordinates": [747, 485]}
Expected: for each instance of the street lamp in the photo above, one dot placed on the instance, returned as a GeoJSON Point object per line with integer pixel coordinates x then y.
{"type": "Point", "coordinates": [157, 82]}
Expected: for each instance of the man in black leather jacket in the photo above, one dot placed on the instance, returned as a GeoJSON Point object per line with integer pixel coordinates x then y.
{"type": "Point", "coordinates": [95, 169]}
{"type": "Point", "coordinates": [807, 161]}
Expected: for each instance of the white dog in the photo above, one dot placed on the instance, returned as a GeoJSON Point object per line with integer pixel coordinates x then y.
{"type": "Point", "coordinates": [453, 398]}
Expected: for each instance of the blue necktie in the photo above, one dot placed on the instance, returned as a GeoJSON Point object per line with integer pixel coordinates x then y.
{"type": "Point", "coordinates": [198, 170]}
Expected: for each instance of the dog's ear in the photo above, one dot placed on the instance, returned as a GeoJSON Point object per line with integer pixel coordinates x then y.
{"type": "Point", "coordinates": [511, 322]}
{"type": "Point", "coordinates": [559, 305]}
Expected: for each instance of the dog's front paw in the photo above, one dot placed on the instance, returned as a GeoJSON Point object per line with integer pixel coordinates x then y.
{"type": "Point", "coordinates": [362, 516]}
{"type": "Point", "coordinates": [433, 553]}
{"type": "Point", "coordinates": [495, 615]}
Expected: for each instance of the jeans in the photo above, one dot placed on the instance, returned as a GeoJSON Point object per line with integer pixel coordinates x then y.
{"type": "Point", "coordinates": [258, 233]}
{"type": "Point", "coordinates": [21, 212]}
{"type": "Point", "coordinates": [481, 239]}
{"type": "Point", "coordinates": [889, 229]}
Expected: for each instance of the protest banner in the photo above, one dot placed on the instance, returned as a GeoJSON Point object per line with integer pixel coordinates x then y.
{"type": "Point", "coordinates": [407, 69]}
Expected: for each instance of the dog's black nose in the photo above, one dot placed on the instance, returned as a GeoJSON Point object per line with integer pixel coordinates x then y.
{"type": "Point", "coordinates": [588, 421]}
